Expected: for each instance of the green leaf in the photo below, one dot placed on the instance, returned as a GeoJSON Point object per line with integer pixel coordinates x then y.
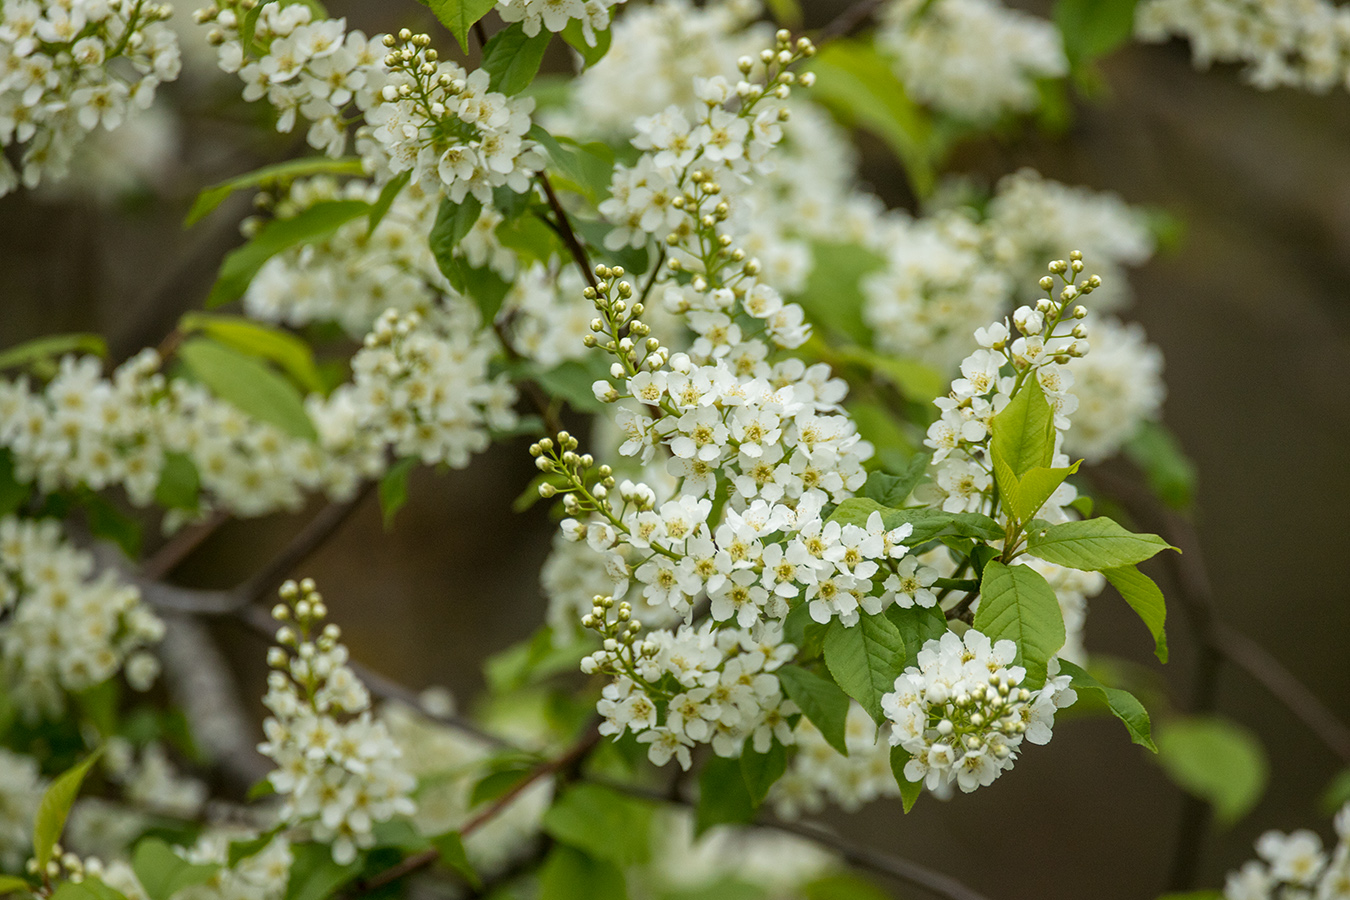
{"type": "Point", "coordinates": [787, 13]}
{"type": "Point", "coordinates": [572, 382]}
{"type": "Point", "coordinates": [833, 297]}
{"type": "Point", "coordinates": [1034, 487]}
{"type": "Point", "coordinates": [388, 194]}
{"type": "Point", "coordinates": [1216, 760]}
{"type": "Point", "coordinates": [450, 846]}
{"type": "Point", "coordinates": [512, 58]}
{"type": "Point", "coordinates": [761, 770]}
{"type": "Point", "coordinates": [278, 174]}
{"type": "Point", "coordinates": [892, 490]}
{"type": "Point", "coordinates": [909, 790]}
{"type": "Point", "coordinates": [842, 886]}
{"type": "Point", "coordinates": [454, 221]}
{"type": "Point", "coordinates": [1337, 793]}
{"type": "Point", "coordinates": [1093, 545]}
{"type": "Point", "coordinates": [820, 700]}
{"type": "Point", "coordinates": [394, 489]}
{"type": "Point", "coordinates": [604, 823]}
{"type": "Point", "coordinates": [530, 239]}
{"type": "Point", "coordinates": [1170, 473]}
{"type": "Point", "coordinates": [248, 384]}
{"type": "Point", "coordinates": [926, 524]}
{"type": "Point", "coordinates": [1023, 434]}
{"type": "Point", "coordinates": [1093, 28]}
{"type": "Point", "coordinates": [587, 168]}
{"type": "Point", "coordinates": [179, 482]}
{"type": "Point", "coordinates": [722, 795]}
{"type": "Point", "coordinates": [10, 884]}
{"type": "Point", "coordinates": [569, 874]}
{"type": "Point", "coordinates": [241, 850]}
{"type": "Point", "coordinates": [862, 89]}
{"type": "Point", "coordinates": [506, 775]}
{"type": "Point", "coordinates": [306, 227]}
{"type": "Point", "coordinates": [314, 875]}
{"type": "Point", "coordinates": [55, 808]}
{"type": "Point", "coordinates": [865, 659]}
{"type": "Point", "coordinates": [291, 353]}
{"type": "Point", "coordinates": [915, 380]}
{"type": "Point", "coordinates": [575, 35]}
{"type": "Point", "coordinates": [163, 873]}
{"type": "Point", "coordinates": [917, 626]}
{"type": "Point", "coordinates": [52, 347]}
{"type": "Point", "coordinates": [459, 16]}
{"type": "Point", "coordinates": [88, 889]}
{"type": "Point", "coordinates": [1123, 705]}
{"type": "Point", "coordinates": [108, 522]}
{"type": "Point", "coordinates": [1018, 604]}
{"type": "Point", "coordinates": [13, 493]}
{"type": "Point", "coordinates": [1144, 598]}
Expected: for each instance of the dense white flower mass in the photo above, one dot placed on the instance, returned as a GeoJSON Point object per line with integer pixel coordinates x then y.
{"type": "Point", "coordinates": [64, 629]}
{"type": "Point", "coordinates": [972, 59]}
{"type": "Point", "coordinates": [1118, 385]}
{"type": "Point", "coordinates": [338, 768]}
{"type": "Point", "coordinates": [962, 714]}
{"type": "Point", "coordinates": [557, 15]}
{"type": "Point", "coordinates": [1295, 867]}
{"type": "Point", "coordinates": [69, 67]}
{"type": "Point", "coordinates": [819, 773]}
{"type": "Point", "coordinates": [1281, 43]}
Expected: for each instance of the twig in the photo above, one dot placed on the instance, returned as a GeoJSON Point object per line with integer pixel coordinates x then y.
{"type": "Point", "coordinates": [847, 21]}
{"type": "Point", "coordinates": [180, 546]}
{"type": "Point", "coordinates": [563, 225]}
{"type": "Point", "coordinates": [651, 279]}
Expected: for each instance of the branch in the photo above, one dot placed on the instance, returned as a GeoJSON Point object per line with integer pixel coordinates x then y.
{"type": "Point", "coordinates": [563, 225]}
{"type": "Point", "coordinates": [180, 546]}
{"type": "Point", "coordinates": [847, 21]}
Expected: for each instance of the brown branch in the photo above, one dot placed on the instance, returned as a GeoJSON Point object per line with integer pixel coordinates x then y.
{"type": "Point", "coordinates": [563, 225]}
{"type": "Point", "coordinates": [180, 546]}
{"type": "Point", "coordinates": [847, 21]}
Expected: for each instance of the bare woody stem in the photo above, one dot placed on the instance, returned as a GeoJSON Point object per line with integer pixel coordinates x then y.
{"type": "Point", "coordinates": [563, 226]}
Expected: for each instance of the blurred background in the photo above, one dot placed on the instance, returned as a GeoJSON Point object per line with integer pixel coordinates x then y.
{"type": "Point", "coordinates": [1250, 308]}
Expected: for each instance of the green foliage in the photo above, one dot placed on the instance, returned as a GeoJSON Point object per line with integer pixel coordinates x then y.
{"type": "Point", "coordinates": [88, 889]}
{"type": "Point", "coordinates": [833, 295]}
{"type": "Point", "coordinates": [270, 176]}
{"type": "Point", "coordinates": [584, 168]}
{"type": "Point", "coordinates": [569, 874]}
{"type": "Point", "coordinates": [51, 347]}
{"type": "Point", "coordinates": [1093, 28]}
{"type": "Point", "coordinates": [13, 493]}
{"type": "Point", "coordinates": [179, 482]}
{"type": "Point", "coordinates": [1093, 545]}
{"type": "Point", "coordinates": [761, 770]}
{"type": "Point", "coordinates": [926, 524]}
{"type": "Point", "coordinates": [842, 886]}
{"type": "Point", "coordinates": [532, 660]}
{"type": "Point", "coordinates": [512, 58]}
{"type": "Point", "coordinates": [861, 89]}
{"type": "Point", "coordinates": [915, 380]}
{"type": "Point", "coordinates": [54, 808]}
{"type": "Point", "coordinates": [820, 700]}
{"type": "Point", "coordinates": [394, 489]}
{"type": "Point", "coordinates": [892, 490]}
{"type": "Point", "coordinates": [306, 227]}
{"type": "Point", "coordinates": [1022, 440]}
{"type": "Point", "coordinates": [572, 382]}
{"type": "Point", "coordinates": [909, 790]}
{"type": "Point", "coordinates": [459, 16]}
{"type": "Point", "coordinates": [1146, 599]}
{"type": "Point", "coordinates": [453, 223]}
{"type": "Point", "coordinates": [108, 522]}
{"type": "Point", "coordinates": [12, 884]}
{"type": "Point", "coordinates": [1170, 473]}
{"type": "Point", "coordinates": [163, 873]}
{"type": "Point", "coordinates": [1337, 793]}
{"type": "Point", "coordinates": [314, 874]}
{"type": "Point", "coordinates": [290, 353]}
{"type": "Point", "coordinates": [865, 659]}
{"type": "Point", "coordinates": [575, 36]}
{"type": "Point", "coordinates": [917, 626]}
{"type": "Point", "coordinates": [450, 846]}
{"type": "Point", "coordinates": [248, 384]}
{"type": "Point", "coordinates": [388, 194]}
{"type": "Point", "coordinates": [1030, 491]}
{"type": "Point", "coordinates": [723, 797]}
{"type": "Point", "coordinates": [605, 824]}
{"type": "Point", "coordinates": [1216, 760]}
{"type": "Point", "coordinates": [1018, 604]}
{"type": "Point", "coordinates": [1122, 704]}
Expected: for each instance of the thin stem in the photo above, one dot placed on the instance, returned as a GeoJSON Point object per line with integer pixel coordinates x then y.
{"type": "Point", "coordinates": [563, 225]}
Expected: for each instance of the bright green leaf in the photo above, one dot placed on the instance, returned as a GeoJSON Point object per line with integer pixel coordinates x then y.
{"type": "Point", "coordinates": [55, 808]}
{"type": "Point", "coordinates": [459, 15]}
{"type": "Point", "coordinates": [1146, 599]}
{"type": "Point", "coordinates": [1023, 434]}
{"type": "Point", "coordinates": [604, 823]}
{"type": "Point", "coordinates": [1216, 760]}
{"type": "Point", "coordinates": [1092, 545]}
{"type": "Point", "coordinates": [587, 168]}
{"type": "Point", "coordinates": [277, 174]}
{"type": "Point", "coordinates": [450, 846]}
{"type": "Point", "coordinates": [833, 297]}
{"type": "Point", "coordinates": [88, 889]}
{"type": "Point", "coordinates": [761, 770]}
{"type": "Point", "coordinates": [569, 874]}
{"type": "Point", "coordinates": [1018, 604]}
{"type": "Point", "coordinates": [1093, 28]}
{"type": "Point", "coordinates": [1033, 488]}
{"type": "Point", "coordinates": [291, 353]}
{"type": "Point", "coordinates": [314, 874]}
{"type": "Point", "coordinates": [575, 35]}
{"type": "Point", "coordinates": [248, 384]}
{"type": "Point", "coordinates": [820, 700]}
{"type": "Point", "coordinates": [394, 489]}
{"type": "Point", "coordinates": [179, 482]}
{"type": "Point", "coordinates": [909, 790]}
{"type": "Point", "coordinates": [842, 886]}
{"type": "Point", "coordinates": [1123, 704]}
{"type": "Point", "coordinates": [865, 659]}
{"type": "Point", "coordinates": [308, 226]}
{"type": "Point", "coordinates": [388, 194]}
{"type": "Point", "coordinates": [10, 884]}
{"type": "Point", "coordinates": [892, 490]}
{"type": "Point", "coordinates": [51, 347]}
{"type": "Point", "coordinates": [163, 873]}
{"type": "Point", "coordinates": [722, 795]}
{"type": "Point", "coordinates": [512, 58]}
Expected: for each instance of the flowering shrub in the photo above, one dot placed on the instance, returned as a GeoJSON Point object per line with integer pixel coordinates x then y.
{"type": "Point", "coordinates": [824, 473]}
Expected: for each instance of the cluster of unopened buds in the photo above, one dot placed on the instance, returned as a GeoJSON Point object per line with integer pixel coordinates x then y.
{"type": "Point", "coordinates": [582, 491]}
{"type": "Point", "coordinates": [619, 331]}
{"type": "Point", "coordinates": [620, 648]}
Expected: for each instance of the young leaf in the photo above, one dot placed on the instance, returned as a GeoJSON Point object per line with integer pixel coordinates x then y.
{"type": "Point", "coordinates": [309, 225]}
{"type": "Point", "coordinates": [163, 873]}
{"type": "Point", "coordinates": [865, 659]}
{"type": "Point", "coordinates": [11, 884]}
{"type": "Point", "coordinates": [586, 167]}
{"type": "Point", "coordinates": [394, 489]}
{"type": "Point", "coordinates": [569, 874]}
{"type": "Point", "coordinates": [820, 700]}
{"type": "Point", "coordinates": [604, 823]}
{"type": "Point", "coordinates": [248, 384]}
{"type": "Point", "coordinates": [761, 770]}
{"type": "Point", "coordinates": [1017, 604]}
{"type": "Point", "coordinates": [291, 353]}
{"type": "Point", "coordinates": [1033, 488]}
{"type": "Point", "coordinates": [459, 16]}
{"type": "Point", "coordinates": [1093, 28]}
{"type": "Point", "coordinates": [512, 58]}
{"type": "Point", "coordinates": [51, 347]}
{"type": "Point", "coordinates": [722, 795]}
{"type": "Point", "coordinates": [909, 790]}
{"type": "Point", "coordinates": [575, 35]}
{"type": "Point", "coordinates": [1144, 598]}
{"type": "Point", "coordinates": [1216, 760]}
{"type": "Point", "coordinates": [55, 808]}
{"type": "Point", "coordinates": [88, 889]}
{"type": "Point", "coordinates": [280, 173]}
{"type": "Point", "coordinates": [451, 848]}
{"type": "Point", "coordinates": [1122, 704]}
{"type": "Point", "coordinates": [1023, 434]}
{"type": "Point", "coordinates": [892, 490]}
{"type": "Point", "coordinates": [1093, 544]}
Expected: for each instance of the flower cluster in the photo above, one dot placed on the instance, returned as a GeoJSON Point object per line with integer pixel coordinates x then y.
{"type": "Point", "coordinates": [675, 689]}
{"type": "Point", "coordinates": [337, 768]}
{"type": "Point", "coordinates": [961, 715]}
{"type": "Point", "coordinates": [1118, 385]}
{"type": "Point", "coordinates": [68, 67]}
{"type": "Point", "coordinates": [62, 630]}
{"type": "Point", "coordinates": [1295, 867]}
{"type": "Point", "coordinates": [1282, 43]}
{"type": "Point", "coordinates": [818, 772]}
{"type": "Point", "coordinates": [557, 15]}
{"type": "Point", "coordinates": [259, 876]}
{"type": "Point", "coordinates": [972, 59]}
